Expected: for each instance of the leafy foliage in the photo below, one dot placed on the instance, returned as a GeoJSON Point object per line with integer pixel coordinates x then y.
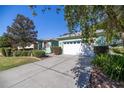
{"type": "Point", "coordinates": [4, 41]}
{"type": "Point", "coordinates": [57, 50]}
{"type": "Point", "coordinates": [112, 65]}
{"type": "Point", "coordinates": [88, 18]}
{"type": "Point", "coordinates": [22, 53]}
{"type": "Point", "coordinates": [118, 50]}
{"type": "Point", "coordinates": [6, 52]}
{"type": "Point", "coordinates": [38, 53]}
{"type": "Point", "coordinates": [3, 52]}
{"type": "Point", "coordinates": [21, 32]}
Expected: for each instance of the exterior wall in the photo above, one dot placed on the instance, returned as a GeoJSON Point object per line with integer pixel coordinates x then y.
{"type": "Point", "coordinates": [55, 43]}
{"type": "Point", "coordinates": [48, 47]}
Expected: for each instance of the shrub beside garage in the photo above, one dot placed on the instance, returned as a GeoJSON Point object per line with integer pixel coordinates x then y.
{"type": "Point", "coordinates": [57, 50]}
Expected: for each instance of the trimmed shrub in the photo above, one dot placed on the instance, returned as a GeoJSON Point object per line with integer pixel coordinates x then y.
{"type": "Point", "coordinates": [26, 53]}
{"type": "Point", "coordinates": [22, 53]}
{"type": "Point", "coordinates": [38, 53]}
{"type": "Point", "coordinates": [112, 65]}
{"type": "Point", "coordinates": [57, 50]}
{"type": "Point", "coordinates": [3, 52]}
{"type": "Point", "coordinates": [6, 52]}
{"type": "Point", "coordinates": [17, 53]}
{"type": "Point", "coordinates": [101, 49]}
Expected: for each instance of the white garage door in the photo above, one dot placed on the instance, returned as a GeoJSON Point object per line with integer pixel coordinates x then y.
{"type": "Point", "coordinates": [72, 47]}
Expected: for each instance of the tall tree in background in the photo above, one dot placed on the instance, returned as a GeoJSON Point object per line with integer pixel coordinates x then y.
{"type": "Point", "coordinates": [21, 32]}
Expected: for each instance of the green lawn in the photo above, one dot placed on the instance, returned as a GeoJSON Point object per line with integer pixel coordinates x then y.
{"type": "Point", "coordinates": [10, 62]}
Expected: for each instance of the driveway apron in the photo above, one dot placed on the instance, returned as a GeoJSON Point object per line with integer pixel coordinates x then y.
{"type": "Point", "coordinates": [62, 71]}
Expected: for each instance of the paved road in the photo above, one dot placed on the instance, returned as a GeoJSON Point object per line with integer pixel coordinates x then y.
{"type": "Point", "coordinates": [54, 72]}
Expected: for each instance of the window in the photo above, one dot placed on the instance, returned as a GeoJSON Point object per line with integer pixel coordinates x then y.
{"type": "Point", "coordinates": [70, 42]}
{"type": "Point", "coordinates": [74, 42]}
{"type": "Point", "coordinates": [67, 42]}
{"type": "Point", "coordinates": [64, 42]}
{"type": "Point", "coordinates": [78, 42]}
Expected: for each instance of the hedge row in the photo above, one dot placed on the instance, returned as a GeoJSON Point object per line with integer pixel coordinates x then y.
{"type": "Point", "coordinates": [8, 52]}
{"type": "Point", "coordinates": [22, 53]}
{"type": "Point", "coordinates": [38, 53]}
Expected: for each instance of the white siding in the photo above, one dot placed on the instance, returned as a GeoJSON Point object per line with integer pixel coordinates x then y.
{"type": "Point", "coordinates": [72, 47]}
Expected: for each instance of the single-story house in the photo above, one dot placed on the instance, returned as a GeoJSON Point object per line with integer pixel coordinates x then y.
{"type": "Point", "coordinates": [71, 43]}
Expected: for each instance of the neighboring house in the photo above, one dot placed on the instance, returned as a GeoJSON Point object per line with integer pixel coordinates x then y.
{"type": "Point", "coordinates": [100, 39]}
{"type": "Point", "coordinates": [37, 45]}
{"type": "Point", "coordinates": [71, 43]}
{"type": "Point", "coordinates": [27, 47]}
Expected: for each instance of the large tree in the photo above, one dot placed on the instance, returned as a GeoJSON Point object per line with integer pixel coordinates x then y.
{"type": "Point", "coordinates": [88, 18]}
{"type": "Point", "coordinates": [21, 32]}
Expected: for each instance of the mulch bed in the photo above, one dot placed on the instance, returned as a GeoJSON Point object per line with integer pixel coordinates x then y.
{"type": "Point", "coordinates": [100, 80]}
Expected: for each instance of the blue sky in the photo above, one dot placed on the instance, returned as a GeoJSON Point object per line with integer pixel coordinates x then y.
{"type": "Point", "coordinates": [48, 25]}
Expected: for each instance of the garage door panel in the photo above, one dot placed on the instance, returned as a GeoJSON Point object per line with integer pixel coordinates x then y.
{"type": "Point", "coordinates": [72, 49]}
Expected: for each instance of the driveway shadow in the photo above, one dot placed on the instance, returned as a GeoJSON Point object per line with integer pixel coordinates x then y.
{"type": "Point", "coordinates": [82, 71]}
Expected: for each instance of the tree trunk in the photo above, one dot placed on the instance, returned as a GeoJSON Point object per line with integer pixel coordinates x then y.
{"type": "Point", "coordinates": [122, 36]}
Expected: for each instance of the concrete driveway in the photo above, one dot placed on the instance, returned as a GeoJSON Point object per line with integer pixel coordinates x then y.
{"type": "Point", "coordinates": [54, 72]}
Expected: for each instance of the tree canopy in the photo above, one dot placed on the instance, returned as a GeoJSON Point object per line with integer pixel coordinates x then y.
{"type": "Point", "coordinates": [21, 32]}
{"type": "Point", "coordinates": [88, 18]}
